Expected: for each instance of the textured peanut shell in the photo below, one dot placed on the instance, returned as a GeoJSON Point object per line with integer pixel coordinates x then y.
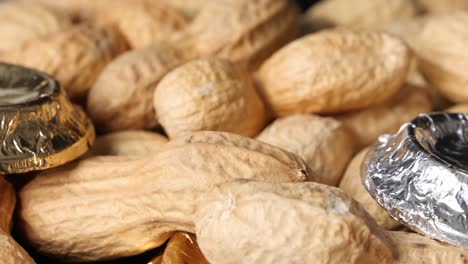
{"type": "Point", "coordinates": [189, 8]}
{"type": "Point", "coordinates": [181, 248]}
{"type": "Point", "coordinates": [351, 184]}
{"type": "Point", "coordinates": [7, 204]}
{"type": "Point", "coordinates": [253, 222]}
{"type": "Point", "coordinates": [21, 22]}
{"type": "Point", "coordinates": [334, 71]}
{"type": "Point", "coordinates": [128, 143]}
{"type": "Point", "coordinates": [359, 14]}
{"type": "Point", "coordinates": [460, 108]}
{"type": "Point", "coordinates": [122, 97]}
{"type": "Point", "coordinates": [11, 252]}
{"type": "Point", "coordinates": [242, 31]}
{"type": "Point", "coordinates": [325, 144]}
{"type": "Point", "coordinates": [108, 207]}
{"type": "Point", "coordinates": [441, 47]}
{"type": "Point", "coordinates": [442, 6]}
{"type": "Point", "coordinates": [74, 56]}
{"type": "Point", "coordinates": [142, 22]}
{"type": "Point", "coordinates": [209, 94]}
{"type": "Point", "coordinates": [417, 249]}
{"type": "Point", "coordinates": [370, 123]}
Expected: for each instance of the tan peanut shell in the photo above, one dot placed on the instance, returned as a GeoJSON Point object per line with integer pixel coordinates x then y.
{"type": "Point", "coordinates": [334, 71]}
{"type": "Point", "coordinates": [11, 252]}
{"type": "Point", "coordinates": [108, 207]}
{"type": "Point", "coordinates": [181, 248]}
{"type": "Point", "coordinates": [460, 108]}
{"type": "Point", "coordinates": [128, 143]}
{"type": "Point", "coordinates": [351, 184]}
{"type": "Point", "coordinates": [388, 117]}
{"type": "Point", "coordinates": [442, 6]}
{"type": "Point", "coordinates": [7, 204]}
{"type": "Point", "coordinates": [324, 143]}
{"type": "Point", "coordinates": [142, 22]}
{"type": "Point", "coordinates": [21, 22]}
{"type": "Point", "coordinates": [417, 249]}
{"type": "Point", "coordinates": [254, 222]}
{"type": "Point", "coordinates": [75, 56]}
{"type": "Point", "coordinates": [441, 47]}
{"type": "Point", "coordinates": [209, 94]}
{"type": "Point", "coordinates": [189, 8]}
{"type": "Point", "coordinates": [242, 31]}
{"type": "Point", "coordinates": [122, 97]}
{"type": "Point", "coordinates": [359, 14]}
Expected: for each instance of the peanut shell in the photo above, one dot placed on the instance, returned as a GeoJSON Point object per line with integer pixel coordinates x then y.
{"type": "Point", "coordinates": [254, 222]}
{"type": "Point", "coordinates": [387, 118]}
{"type": "Point", "coordinates": [324, 143]}
{"type": "Point", "coordinates": [359, 14]}
{"type": "Point", "coordinates": [242, 31]}
{"type": "Point", "coordinates": [460, 108]}
{"type": "Point", "coordinates": [441, 7]}
{"type": "Point", "coordinates": [351, 184]}
{"type": "Point", "coordinates": [334, 71]}
{"type": "Point", "coordinates": [417, 249]}
{"type": "Point", "coordinates": [75, 56]}
{"type": "Point", "coordinates": [181, 248]}
{"type": "Point", "coordinates": [122, 97]}
{"type": "Point", "coordinates": [143, 22]}
{"type": "Point", "coordinates": [128, 143]}
{"type": "Point", "coordinates": [11, 252]}
{"type": "Point", "coordinates": [441, 47]}
{"type": "Point", "coordinates": [209, 94]}
{"type": "Point", "coordinates": [109, 207]}
{"type": "Point", "coordinates": [7, 204]}
{"type": "Point", "coordinates": [189, 8]}
{"type": "Point", "coordinates": [22, 22]}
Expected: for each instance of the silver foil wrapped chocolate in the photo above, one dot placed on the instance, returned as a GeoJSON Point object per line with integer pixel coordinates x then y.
{"type": "Point", "coordinates": [39, 127]}
{"type": "Point", "coordinates": [420, 176]}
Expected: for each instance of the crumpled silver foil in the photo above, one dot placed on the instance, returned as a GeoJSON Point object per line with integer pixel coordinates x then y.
{"type": "Point", "coordinates": [420, 176]}
{"type": "Point", "coordinates": [39, 127]}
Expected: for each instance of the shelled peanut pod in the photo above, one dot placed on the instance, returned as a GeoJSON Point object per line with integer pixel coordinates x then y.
{"type": "Point", "coordinates": [441, 7]}
{"type": "Point", "coordinates": [128, 143]}
{"type": "Point", "coordinates": [255, 222]}
{"type": "Point", "coordinates": [209, 94]}
{"type": "Point", "coordinates": [324, 143]}
{"type": "Point", "coordinates": [351, 184]}
{"type": "Point", "coordinates": [22, 22]}
{"type": "Point", "coordinates": [324, 72]}
{"type": "Point", "coordinates": [104, 207]}
{"type": "Point", "coordinates": [460, 108]}
{"type": "Point", "coordinates": [122, 96]}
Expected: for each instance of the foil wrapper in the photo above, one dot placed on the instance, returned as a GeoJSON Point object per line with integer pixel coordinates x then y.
{"type": "Point", "coordinates": [39, 127]}
{"type": "Point", "coordinates": [420, 176]}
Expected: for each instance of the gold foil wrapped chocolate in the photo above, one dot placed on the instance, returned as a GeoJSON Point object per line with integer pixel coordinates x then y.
{"type": "Point", "coordinates": [39, 127]}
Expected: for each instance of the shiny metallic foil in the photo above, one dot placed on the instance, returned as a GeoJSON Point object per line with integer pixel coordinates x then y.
{"type": "Point", "coordinates": [420, 176]}
{"type": "Point", "coordinates": [40, 128]}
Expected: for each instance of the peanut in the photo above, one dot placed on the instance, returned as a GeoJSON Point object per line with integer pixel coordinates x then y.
{"type": "Point", "coordinates": [370, 123]}
{"type": "Point", "coordinates": [440, 7]}
{"type": "Point", "coordinates": [334, 71]}
{"type": "Point", "coordinates": [22, 22]}
{"type": "Point", "coordinates": [324, 143]}
{"type": "Point", "coordinates": [11, 252]}
{"type": "Point", "coordinates": [352, 185]}
{"type": "Point", "coordinates": [359, 14]}
{"type": "Point", "coordinates": [7, 204]}
{"type": "Point", "coordinates": [209, 94]}
{"type": "Point", "coordinates": [108, 207]}
{"type": "Point", "coordinates": [128, 143]}
{"type": "Point", "coordinates": [417, 249]}
{"type": "Point", "coordinates": [181, 248]}
{"type": "Point", "coordinates": [122, 96]}
{"type": "Point", "coordinates": [460, 108]}
{"type": "Point", "coordinates": [253, 222]}
{"type": "Point", "coordinates": [74, 56]}
{"type": "Point", "coordinates": [142, 22]}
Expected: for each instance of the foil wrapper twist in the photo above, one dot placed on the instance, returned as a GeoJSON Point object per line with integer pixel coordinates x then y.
{"type": "Point", "coordinates": [40, 128]}
{"type": "Point", "coordinates": [420, 176]}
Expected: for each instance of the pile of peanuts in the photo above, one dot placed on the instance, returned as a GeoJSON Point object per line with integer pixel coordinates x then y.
{"type": "Point", "coordinates": [230, 131]}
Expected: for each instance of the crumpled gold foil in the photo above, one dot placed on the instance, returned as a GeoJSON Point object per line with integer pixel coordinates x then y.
{"type": "Point", "coordinates": [181, 248]}
{"type": "Point", "coordinates": [39, 127]}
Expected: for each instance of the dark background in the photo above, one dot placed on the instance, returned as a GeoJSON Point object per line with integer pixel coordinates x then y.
{"type": "Point", "coordinates": [304, 4]}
